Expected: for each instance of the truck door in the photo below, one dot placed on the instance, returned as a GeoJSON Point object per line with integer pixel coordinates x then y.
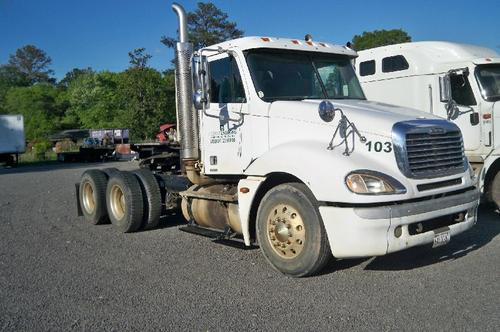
{"type": "Point", "coordinates": [463, 96]}
{"type": "Point", "coordinates": [223, 122]}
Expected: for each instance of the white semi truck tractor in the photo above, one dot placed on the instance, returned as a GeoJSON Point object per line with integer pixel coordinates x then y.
{"type": "Point", "coordinates": [280, 147]}
{"type": "Point", "coordinates": [456, 81]}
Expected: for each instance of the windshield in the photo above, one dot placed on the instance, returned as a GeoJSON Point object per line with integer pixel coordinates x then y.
{"type": "Point", "coordinates": [488, 77]}
{"type": "Point", "coordinates": [287, 75]}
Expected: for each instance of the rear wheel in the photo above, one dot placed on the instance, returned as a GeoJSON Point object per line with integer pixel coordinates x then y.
{"type": "Point", "coordinates": [92, 196]}
{"type": "Point", "coordinates": [124, 201]}
{"type": "Point", "coordinates": [290, 231]}
{"type": "Point", "coordinates": [151, 198]}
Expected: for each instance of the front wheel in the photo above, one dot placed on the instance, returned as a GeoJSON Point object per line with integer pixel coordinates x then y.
{"type": "Point", "coordinates": [494, 191]}
{"type": "Point", "coordinates": [290, 231]}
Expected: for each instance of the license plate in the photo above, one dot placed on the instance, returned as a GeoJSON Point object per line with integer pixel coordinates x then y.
{"type": "Point", "coordinates": [440, 239]}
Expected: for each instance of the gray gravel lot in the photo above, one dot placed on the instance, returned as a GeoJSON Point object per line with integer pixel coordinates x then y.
{"type": "Point", "coordinates": [59, 273]}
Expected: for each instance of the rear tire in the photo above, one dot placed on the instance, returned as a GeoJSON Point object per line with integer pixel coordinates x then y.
{"type": "Point", "coordinates": [110, 170]}
{"type": "Point", "coordinates": [124, 201]}
{"type": "Point", "coordinates": [290, 231]}
{"type": "Point", "coordinates": [151, 198]}
{"type": "Point", "coordinates": [92, 196]}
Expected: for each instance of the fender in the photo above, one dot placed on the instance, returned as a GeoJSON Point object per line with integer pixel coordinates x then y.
{"type": "Point", "coordinates": [324, 171]}
{"type": "Point", "coordinates": [492, 158]}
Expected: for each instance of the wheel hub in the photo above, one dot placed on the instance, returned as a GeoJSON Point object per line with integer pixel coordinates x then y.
{"type": "Point", "coordinates": [117, 202]}
{"type": "Point", "coordinates": [88, 198]}
{"type": "Point", "coordinates": [286, 232]}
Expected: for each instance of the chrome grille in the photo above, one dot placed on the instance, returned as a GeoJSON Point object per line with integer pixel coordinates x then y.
{"type": "Point", "coordinates": [428, 148]}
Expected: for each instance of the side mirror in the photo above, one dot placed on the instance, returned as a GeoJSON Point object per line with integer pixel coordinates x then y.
{"type": "Point", "coordinates": [445, 88]}
{"type": "Point", "coordinates": [201, 81]}
{"type": "Point", "coordinates": [474, 118]}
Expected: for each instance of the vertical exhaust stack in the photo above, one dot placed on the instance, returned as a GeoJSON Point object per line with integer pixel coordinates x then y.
{"type": "Point", "coordinates": [187, 117]}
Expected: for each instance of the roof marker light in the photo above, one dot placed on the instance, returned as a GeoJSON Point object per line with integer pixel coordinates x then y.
{"type": "Point", "coordinates": [296, 42]}
{"type": "Point", "coordinates": [266, 39]}
{"type": "Point", "coordinates": [310, 43]}
{"type": "Point", "coordinates": [323, 44]}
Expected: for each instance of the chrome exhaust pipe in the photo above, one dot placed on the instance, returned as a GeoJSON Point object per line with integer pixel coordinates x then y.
{"type": "Point", "coordinates": [186, 115]}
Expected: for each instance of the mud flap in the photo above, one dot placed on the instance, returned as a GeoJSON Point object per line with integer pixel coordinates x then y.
{"type": "Point", "coordinates": [78, 206]}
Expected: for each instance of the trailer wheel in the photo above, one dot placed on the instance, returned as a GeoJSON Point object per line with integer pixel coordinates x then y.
{"type": "Point", "coordinates": [124, 201]}
{"type": "Point", "coordinates": [151, 198]}
{"type": "Point", "coordinates": [92, 196]}
{"type": "Point", "coordinates": [290, 231]}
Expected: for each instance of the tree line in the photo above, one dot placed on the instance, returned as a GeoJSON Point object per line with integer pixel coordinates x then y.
{"type": "Point", "coordinates": [139, 98]}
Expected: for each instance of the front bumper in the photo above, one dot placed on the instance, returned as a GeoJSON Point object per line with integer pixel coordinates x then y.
{"type": "Point", "coordinates": [370, 231]}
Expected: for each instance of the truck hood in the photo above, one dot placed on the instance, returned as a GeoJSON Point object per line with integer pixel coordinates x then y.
{"type": "Point", "coordinates": [368, 116]}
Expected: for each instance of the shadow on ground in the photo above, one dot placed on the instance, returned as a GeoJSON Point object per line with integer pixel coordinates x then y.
{"type": "Point", "coordinates": [486, 229]}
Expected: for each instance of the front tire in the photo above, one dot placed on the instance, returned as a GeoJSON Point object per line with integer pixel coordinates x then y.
{"type": "Point", "coordinates": [290, 231]}
{"type": "Point", "coordinates": [124, 201]}
{"type": "Point", "coordinates": [494, 191]}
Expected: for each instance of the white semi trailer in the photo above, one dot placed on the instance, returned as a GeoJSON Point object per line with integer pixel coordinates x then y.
{"type": "Point", "coordinates": [456, 81]}
{"type": "Point", "coordinates": [280, 147]}
{"type": "Point", "coordinates": [12, 141]}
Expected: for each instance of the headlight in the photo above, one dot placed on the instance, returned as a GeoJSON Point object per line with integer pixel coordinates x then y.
{"type": "Point", "coordinates": [366, 182]}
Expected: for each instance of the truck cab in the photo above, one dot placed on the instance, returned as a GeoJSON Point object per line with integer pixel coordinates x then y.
{"type": "Point", "coordinates": [455, 81]}
{"type": "Point", "coordinates": [280, 147]}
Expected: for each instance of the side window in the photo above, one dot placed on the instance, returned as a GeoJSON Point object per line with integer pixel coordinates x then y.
{"type": "Point", "coordinates": [461, 92]}
{"type": "Point", "coordinates": [394, 63]}
{"type": "Point", "coordinates": [225, 82]}
{"type": "Point", "coordinates": [367, 68]}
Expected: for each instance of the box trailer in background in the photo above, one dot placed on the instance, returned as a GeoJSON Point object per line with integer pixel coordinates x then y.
{"type": "Point", "coordinates": [458, 82]}
{"type": "Point", "coordinates": [12, 141]}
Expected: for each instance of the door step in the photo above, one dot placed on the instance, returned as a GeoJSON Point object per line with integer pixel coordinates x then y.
{"type": "Point", "coordinates": [219, 237]}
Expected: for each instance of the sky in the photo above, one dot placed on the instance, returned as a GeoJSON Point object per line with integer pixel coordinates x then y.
{"type": "Point", "coordinates": [100, 33]}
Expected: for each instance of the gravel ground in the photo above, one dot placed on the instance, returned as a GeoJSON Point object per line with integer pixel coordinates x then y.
{"type": "Point", "coordinates": [59, 273]}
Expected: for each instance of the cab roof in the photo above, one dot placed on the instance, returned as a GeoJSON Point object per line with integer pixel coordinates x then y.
{"type": "Point", "coordinates": [247, 43]}
{"type": "Point", "coordinates": [434, 51]}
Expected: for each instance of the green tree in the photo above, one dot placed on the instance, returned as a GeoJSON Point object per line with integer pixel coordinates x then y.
{"type": "Point", "coordinates": [94, 101]}
{"type": "Point", "coordinates": [32, 64]}
{"type": "Point", "coordinates": [379, 38]}
{"type": "Point", "coordinates": [40, 106]}
{"type": "Point", "coordinates": [72, 75]}
{"type": "Point", "coordinates": [148, 101]}
{"type": "Point", "coordinates": [138, 58]}
{"type": "Point", "coordinates": [207, 25]}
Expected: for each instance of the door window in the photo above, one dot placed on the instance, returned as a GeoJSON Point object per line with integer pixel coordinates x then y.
{"type": "Point", "coordinates": [225, 82]}
{"type": "Point", "coordinates": [461, 92]}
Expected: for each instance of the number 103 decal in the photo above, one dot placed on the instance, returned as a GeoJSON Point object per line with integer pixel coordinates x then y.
{"type": "Point", "coordinates": [379, 146]}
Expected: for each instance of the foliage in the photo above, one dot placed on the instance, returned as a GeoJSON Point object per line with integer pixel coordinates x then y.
{"type": "Point", "coordinates": [379, 38]}
{"type": "Point", "coordinates": [139, 59]}
{"type": "Point", "coordinates": [139, 98]}
{"type": "Point", "coordinates": [207, 25]}
{"type": "Point", "coordinates": [72, 75]}
{"type": "Point", "coordinates": [40, 106]}
{"type": "Point", "coordinates": [31, 64]}
{"type": "Point", "coordinates": [147, 100]}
